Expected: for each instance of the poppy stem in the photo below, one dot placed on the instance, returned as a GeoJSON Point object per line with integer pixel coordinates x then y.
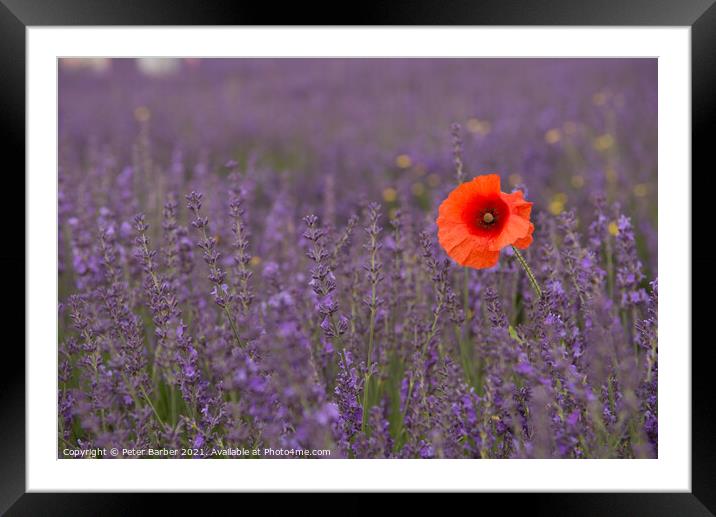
{"type": "Point", "coordinates": [527, 269]}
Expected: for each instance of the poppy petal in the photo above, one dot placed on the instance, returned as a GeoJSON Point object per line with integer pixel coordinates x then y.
{"type": "Point", "coordinates": [487, 184]}
{"type": "Point", "coordinates": [517, 203]}
{"type": "Point", "coordinates": [524, 242]}
{"type": "Point", "coordinates": [482, 259]}
{"type": "Point", "coordinates": [516, 228]}
{"type": "Point", "coordinates": [458, 242]}
{"type": "Point", "coordinates": [451, 236]}
{"type": "Point", "coordinates": [470, 242]}
{"type": "Point", "coordinates": [524, 210]}
{"type": "Point", "coordinates": [452, 208]}
{"type": "Point", "coordinates": [461, 252]}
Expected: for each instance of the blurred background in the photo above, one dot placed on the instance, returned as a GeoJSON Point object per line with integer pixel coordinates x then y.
{"type": "Point", "coordinates": [343, 131]}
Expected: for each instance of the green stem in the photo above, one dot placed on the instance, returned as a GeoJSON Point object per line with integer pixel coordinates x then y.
{"type": "Point", "coordinates": [146, 397]}
{"type": "Point", "coordinates": [371, 332]}
{"type": "Point", "coordinates": [229, 317]}
{"type": "Point", "coordinates": [466, 292]}
{"type": "Point", "coordinates": [463, 334]}
{"type": "Point", "coordinates": [424, 348]}
{"type": "Point", "coordinates": [233, 327]}
{"type": "Point", "coordinates": [527, 269]}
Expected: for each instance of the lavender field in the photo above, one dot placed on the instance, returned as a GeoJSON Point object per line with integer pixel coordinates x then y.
{"type": "Point", "coordinates": [248, 259]}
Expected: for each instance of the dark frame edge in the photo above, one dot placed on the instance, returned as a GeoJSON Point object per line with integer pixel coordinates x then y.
{"type": "Point", "coordinates": [703, 112]}
{"type": "Point", "coordinates": [396, 12]}
{"type": "Point", "coordinates": [702, 500]}
{"type": "Point", "coordinates": [12, 256]}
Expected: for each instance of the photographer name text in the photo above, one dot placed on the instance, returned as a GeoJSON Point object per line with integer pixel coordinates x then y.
{"type": "Point", "coordinates": [166, 452]}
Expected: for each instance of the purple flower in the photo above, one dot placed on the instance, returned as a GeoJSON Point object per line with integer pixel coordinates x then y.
{"type": "Point", "coordinates": [233, 321]}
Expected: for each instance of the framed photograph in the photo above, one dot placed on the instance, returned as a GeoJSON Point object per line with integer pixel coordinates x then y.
{"type": "Point", "coordinates": [424, 252]}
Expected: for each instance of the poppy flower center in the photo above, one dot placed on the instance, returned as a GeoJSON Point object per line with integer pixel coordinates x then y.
{"type": "Point", "coordinates": [488, 218]}
{"type": "Point", "coordinates": [486, 215]}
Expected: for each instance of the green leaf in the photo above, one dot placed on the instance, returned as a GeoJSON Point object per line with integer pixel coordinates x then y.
{"type": "Point", "coordinates": [513, 334]}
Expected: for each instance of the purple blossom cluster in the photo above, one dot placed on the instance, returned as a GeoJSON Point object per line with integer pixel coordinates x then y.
{"type": "Point", "coordinates": [248, 259]}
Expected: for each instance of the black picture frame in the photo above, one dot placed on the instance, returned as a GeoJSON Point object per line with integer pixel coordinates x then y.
{"type": "Point", "coordinates": [17, 15]}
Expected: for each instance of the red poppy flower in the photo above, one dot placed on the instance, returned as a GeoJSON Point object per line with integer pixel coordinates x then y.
{"type": "Point", "coordinates": [477, 220]}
